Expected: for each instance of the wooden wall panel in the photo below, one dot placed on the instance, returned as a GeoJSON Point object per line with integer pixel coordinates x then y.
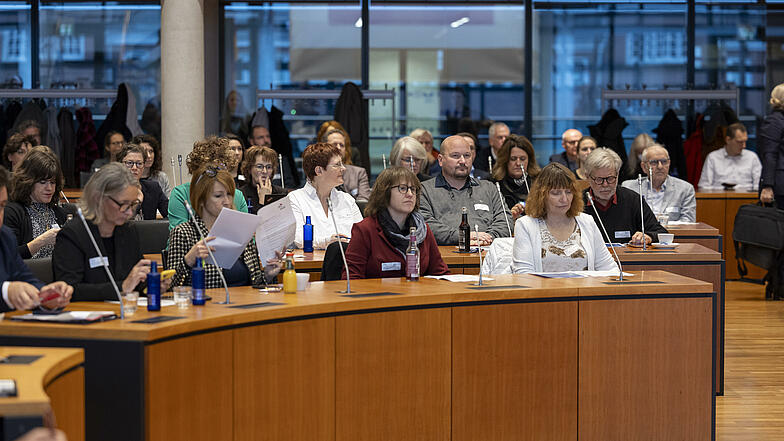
{"type": "Point", "coordinates": [67, 398]}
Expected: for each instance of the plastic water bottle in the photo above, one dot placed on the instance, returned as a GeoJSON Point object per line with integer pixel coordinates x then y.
{"type": "Point", "coordinates": [307, 236]}
{"type": "Point", "coordinates": [154, 288]}
{"type": "Point", "coordinates": [197, 282]}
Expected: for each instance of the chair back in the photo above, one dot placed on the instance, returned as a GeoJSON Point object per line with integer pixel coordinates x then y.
{"type": "Point", "coordinates": [41, 269]}
{"type": "Point", "coordinates": [498, 259]}
{"type": "Point", "coordinates": [153, 235]}
{"type": "Point", "coordinates": [332, 268]}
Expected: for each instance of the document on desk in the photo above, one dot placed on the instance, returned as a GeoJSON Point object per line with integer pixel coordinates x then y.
{"type": "Point", "coordinates": [459, 277]}
{"type": "Point", "coordinates": [275, 230]}
{"type": "Point", "coordinates": [579, 274]}
{"type": "Point", "coordinates": [232, 230]}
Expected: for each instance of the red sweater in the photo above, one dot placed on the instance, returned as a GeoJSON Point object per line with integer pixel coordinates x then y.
{"type": "Point", "coordinates": [369, 249]}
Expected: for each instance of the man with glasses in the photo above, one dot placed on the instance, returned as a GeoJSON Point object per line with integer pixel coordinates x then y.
{"type": "Point", "coordinates": [618, 207]}
{"type": "Point", "coordinates": [153, 199]}
{"type": "Point", "coordinates": [444, 197]}
{"type": "Point", "coordinates": [570, 139]}
{"type": "Point", "coordinates": [665, 194]}
{"type": "Point", "coordinates": [496, 135]}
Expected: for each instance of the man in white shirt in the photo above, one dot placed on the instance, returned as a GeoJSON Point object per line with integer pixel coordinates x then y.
{"type": "Point", "coordinates": [732, 164]}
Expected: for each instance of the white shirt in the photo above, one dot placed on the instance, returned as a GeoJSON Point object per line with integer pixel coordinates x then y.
{"type": "Point", "coordinates": [744, 170]}
{"type": "Point", "coordinates": [305, 202]}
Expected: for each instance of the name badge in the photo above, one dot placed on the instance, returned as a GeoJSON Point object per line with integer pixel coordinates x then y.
{"type": "Point", "coordinates": [481, 207]}
{"type": "Point", "coordinates": [623, 235]}
{"type": "Point", "coordinates": [672, 210]}
{"type": "Point", "coordinates": [390, 266]}
{"type": "Point", "coordinates": [95, 262]}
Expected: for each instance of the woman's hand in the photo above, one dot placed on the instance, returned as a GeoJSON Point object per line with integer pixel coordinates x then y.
{"type": "Point", "coordinates": [274, 265]}
{"type": "Point", "coordinates": [137, 275]}
{"type": "Point", "coordinates": [264, 188]}
{"type": "Point", "coordinates": [47, 238]}
{"type": "Point", "coordinates": [199, 250]}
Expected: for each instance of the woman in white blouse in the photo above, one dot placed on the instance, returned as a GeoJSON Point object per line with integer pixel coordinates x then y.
{"type": "Point", "coordinates": [555, 235]}
{"type": "Point", "coordinates": [324, 169]}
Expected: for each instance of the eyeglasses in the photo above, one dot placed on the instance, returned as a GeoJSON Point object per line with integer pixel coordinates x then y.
{"type": "Point", "coordinates": [403, 189]}
{"type": "Point", "coordinates": [337, 166]}
{"type": "Point", "coordinates": [658, 162]}
{"type": "Point", "coordinates": [262, 167]}
{"type": "Point", "coordinates": [125, 206]}
{"type": "Point", "coordinates": [608, 179]}
{"type": "Point", "coordinates": [132, 164]}
{"type": "Point", "coordinates": [211, 171]}
{"type": "Point", "coordinates": [409, 160]}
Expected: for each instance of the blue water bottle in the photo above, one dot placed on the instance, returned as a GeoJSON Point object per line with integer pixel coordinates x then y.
{"type": "Point", "coordinates": [154, 288]}
{"type": "Point", "coordinates": [250, 206]}
{"type": "Point", "coordinates": [197, 283]}
{"type": "Point", "coordinates": [307, 236]}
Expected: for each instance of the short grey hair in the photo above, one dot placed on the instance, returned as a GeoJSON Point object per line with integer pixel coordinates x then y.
{"type": "Point", "coordinates": [602, 157]}
{"type": "Point", "coordinates": [645, 152]}
{"type": "Point", "coordinates": [416, 133]}
{"type": "Point", "coordinates": [410, 144]}
{"type": "Point", "coordinates": [494, 126]}
{"type": "Point", "coordinates": [109, 180]}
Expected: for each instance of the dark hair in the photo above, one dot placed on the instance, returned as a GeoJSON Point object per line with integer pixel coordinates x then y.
{"type": "Point", "coordinates": [346, 143]}
{"type": "Point", "coordinates": [131, 148]}
{"type": "Point", "coordinates": [210, 149]}
{"type": "Point", "coordinates": [250, 160]}
{"type": "Point", "coordinates": [13, 145]}
{"type": "Point", "coordinates": [5, 177]}
{"type": "Point", "coordinates": [202, 181]}
{"type": "Point", "coordinates": [502, 161]}
{"type": "Point", "coordinates": [157, 160]}
{"type": "Point", "coordinates": [317, 155]}
{"type": "Point", "coordinates": [386, 181]}
{"type": "Point", "coordinates": [40, 164]}
{"type": "Point", "coordinates": [553, 176]}
{"type": "Point", "coordinates": [733, 129]}
{"type": "Point", "coordinates": [233, 137]}
{"type": "Point", "coordinates": [26, 124]}
{"type": "Point", "coordinates": [108, 139]}
{"type": "Point", "coordinates": [472, 136]}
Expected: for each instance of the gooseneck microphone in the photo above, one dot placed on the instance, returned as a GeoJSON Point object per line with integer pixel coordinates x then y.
{"type": "Point", "coordinates": [340, 245]}
{"type": "Point", "coordinates": [612, 247]}
{"type": "Point", "coordinates": [490, 161]}
{"type": "Point", "coordinates": [174, 172]}
{"type": "Point", "coordinates": [479, 249]}
{"type": "Point", "coordinates": [104, 261]}
{"type": "Point", "coordinates": [642, 216]}
{"type": "Point", "coordinates": [214, 261]}
{"type": "Point", "coordinates": [64, 197]}
{"type": "Point", "coordinates": [280, 166]}
{"type": "Point", "coordinates": [525, 181]}
{"type": "Point", "coordinates": [384, 161]}
{"type": "Point", "coordinates": [503, 207]}
{"type": "Point", "coordinates": [179, 160]}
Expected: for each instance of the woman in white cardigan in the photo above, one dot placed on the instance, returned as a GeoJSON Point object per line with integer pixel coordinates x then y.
{"type": "Point", "coordinates": [555, 235]}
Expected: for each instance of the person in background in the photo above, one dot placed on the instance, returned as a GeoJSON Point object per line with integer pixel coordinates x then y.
{"type": "Point", "coordinates": [771, 142]}
{"type": "Point", "coordinates": [732, 164]}
{"type": "Point", "coordinates": [379, 242]}
{"type": "Point", "coordinates": [472, 142]}
{"type": "Point", "coordinates": [154, 201]}
{"type": "Point", "coordinates": [15, 150]}
{"type": "Point", "coordinates": [555, 235]}
{"type": "Point", "coordinates": [211, 190]}
{"type": "Point", "coordinates": [585, 146]}
{"type": "Point", "coordinates": [153, 166]}
{"type": "Point", "coordinates": [324, 170]}
{"type": "Point", "coordinates": [112, 144]}
{"type": "Point", "coordinates": [328, 126]}
{"type": "Point", "coordinates": [209, 150]}
{"type": "Point", "coordinates": [408, 152]}
{"type": "Point", "coordinates": [355, 179]}
{"type": "Point", "coordinates": [108, 202]}
{"type": "Point", "coordinates": [32, 129]}
{"type": "Point", "coordinates": [236, 147]}
{"type": "Point", "coordinates": [259, 167]}
{"type": "Point", "coordinates": [517, 154]}
{"type": "Point", "coordinates": [426, 139]}
{"type": "Point", "coordinates": [34, 215]}
{"type": "Point", "coordinates": [634, 164]}
{"type": "Point", "coordinates": [568, 158]}
{"type": "Point", "coordinates": [497, 134]}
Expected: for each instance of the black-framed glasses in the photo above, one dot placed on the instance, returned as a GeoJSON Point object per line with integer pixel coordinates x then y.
{"type": "Point", "coordinates": [262, 167]}
{"type": "Point", "coordinates": [609, 179]}
{"type": "Point", "coordinates": [125, 206]}
{"type": "Point", "coordinates": [132, 164]}
{"type": "Point", "coordinates": [658, 162]}
{"type": "Point", "coordinates": [403, 189]}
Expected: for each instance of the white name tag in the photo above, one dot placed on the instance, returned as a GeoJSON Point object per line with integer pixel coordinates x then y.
{"type": "Point", "coordinates": [622, 235]}
{"type": "Point", "coordinates": [95, 262]}
{"type": "Point", "coordinates": [672, 210]}
{"type": "Point", "coordinates": [481, 207]}
{"type": "Point", "coordinates": [390, 266]}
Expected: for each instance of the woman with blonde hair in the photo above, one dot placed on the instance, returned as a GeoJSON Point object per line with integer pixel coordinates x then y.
{"type": "Point", "coordinates": [409, 153]}
{"type": "Point", "coordinates": [771, 140]}
{"type": "Point", "coordinates": [634, 164]}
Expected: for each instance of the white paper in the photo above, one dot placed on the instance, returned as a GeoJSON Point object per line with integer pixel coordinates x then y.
{"type": "Point", "coordinates": [579, 274]}
{"type": "Point", "coordinates": [459, 278]}
{"type": "Point", "coordinates": [608, 273]}
{"type": "Point", "coordinates": [68, 316]}
{"type": "Point", "coordinates": [232, 230]}
{"type": "Point", "coordinates": [680, 223]}
{"type": "Point", "coordinates": [275, 230]}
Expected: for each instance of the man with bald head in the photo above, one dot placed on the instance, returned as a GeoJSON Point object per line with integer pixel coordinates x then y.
{"type": "Point", "coordinates": [452, 189]}
{"type": "Point", "coordinates": [569, 140]}
{"type": "Point", "coordinates": [665, 194]}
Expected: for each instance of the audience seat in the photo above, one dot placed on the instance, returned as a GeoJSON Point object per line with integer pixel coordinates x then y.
{"type": "Point", "coordinates": [153, 235]}
{"type": "Point", "coordinates": [42, 269]}
{"type": "Point", "coordinates": [332, 268]}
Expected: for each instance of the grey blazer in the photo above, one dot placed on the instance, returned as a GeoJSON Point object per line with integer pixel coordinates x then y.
{"type": "Point", "coordinates": [355, 181]}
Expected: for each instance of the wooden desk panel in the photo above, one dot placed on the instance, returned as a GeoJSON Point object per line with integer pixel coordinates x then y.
{"type": "Point", "coordinates": [699, 233]}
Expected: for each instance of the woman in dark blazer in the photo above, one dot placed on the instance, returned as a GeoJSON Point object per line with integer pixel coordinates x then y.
{"type": "Point", "coordinates": [771, 139]}
{"type": "Point", "coordinates": [33, 214]}
{"type": "Point", "coordinates": [154, 200]}
{"type": "Point", "coordinates": [109, 200]}
{"type": "Point", "coordinates": [516, 154]}
{"type": "Point", "coordinates": [379, 242]}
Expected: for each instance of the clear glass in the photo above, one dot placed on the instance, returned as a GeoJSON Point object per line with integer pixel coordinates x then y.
{"type": "Point", "coordinates": [15, 65]}
{"type": "Point", "coordinates": [182, 296]}
{"type": "Point", "coordinates": [130, 302]}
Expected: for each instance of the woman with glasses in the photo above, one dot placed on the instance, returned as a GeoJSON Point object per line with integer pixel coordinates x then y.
{"type": "Point", "coordinates": [154, 163]}
{"type": "Point", "coordinates": [515, 156]}
{"type": "Point", "coordinates": [618, 207]}
{"type": "Point", "coordinates": [324, 170]}
{"type": "Point", "coordinates": [112, 145]}
{"type": "Point", "coordinates": [154, 201]}
{"type": "Point", "coordinates": [585, 146]}
{"type": "Point", "coordinates": [409, 153]}
{"type": "Point", "coordinates": [378, 243]}
{"type": "Point", "coordinates": [108, 201]}
{"type": "Point", "coordinates": [555, 235]}
{"type": "Point", "coordinates": [211, 190]}
{"type": "Point", "coordinates": [355, 179]}
{"type": "Point", "coordinates": [15, 150]}
{"type": "Point", "coordinates": [33, 214]}
{"type": "Point", "coordinates": [259, 167]}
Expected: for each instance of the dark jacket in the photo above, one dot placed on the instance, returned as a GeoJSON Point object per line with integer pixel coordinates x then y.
{"type": "Point", "coordinates": [771, 148]}
{"type": "Point", "coordinates": [65, 122]}
{"type": "Point", "coordinates": [86, 146]}
{"type": "Point", "coordinates": [17, 219]}
{"type": "Point", "coordinates": [370, 249]}
{"type": "Point", "coordinates": [608, 132]}
{"type": "Point", "coordinates": [481, 162]}
{"type": "Point", "coordinates": [669, 133]}
{"type": "Point", "coordinates": [563, 159]}
{"type": "Point", "coordinates": [249, 192]}
{"type": "Point", "coordinates": [281, 142]}
{"type": "Point", "coordinates": [12, 268]}
{"type": "Point", "coordinates": [154, 199]}
{"type": "Point", "coordinates": [351, 113]}
{"type": "Point", "coordinates": [116, 118]}
{"type": "Point", "coordinates": [622, 219]}
{"type": "Point", "coordinates": [512, 192]}
{"type": "Point", "coordinates": [73, 251]}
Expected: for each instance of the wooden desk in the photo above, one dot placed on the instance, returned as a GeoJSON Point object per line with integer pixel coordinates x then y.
{"type": "Point", "coordinates": [54, 382]}
{"type": "Point", "coordinates": [718, 208]}
{"type": "Point", "coordinates": [525, 358]}
{"type": "Point", "coordinates": [73, 194]}
{"type": "Point", "coordinates": [700, 233]}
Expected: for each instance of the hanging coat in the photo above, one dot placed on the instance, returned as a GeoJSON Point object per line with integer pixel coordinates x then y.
{"type": "Point", "coordinates": [86, 147]}
{"type": "Point", "coordinates": [692, 151]}
{"type": "Point", "coordinates": [11, 112]}
{"type": "Point", "coordinates": [53, 131]}
{"type": "Point", "coordinates": [669, 133]}
{"type": "Point", "coordinates": [351, 113]}
{"type": "Point", "coordinates": [116, 118]}
{"type": "Point", "coordinates": [608, 132]}
{"type": "Point", "coordinates": [65, 122]}
{"type": "Point", "coordinates": [281, 142]}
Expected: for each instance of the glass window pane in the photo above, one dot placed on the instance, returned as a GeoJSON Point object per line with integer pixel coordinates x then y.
{"type": "Point", "coordinates": [15, 45]}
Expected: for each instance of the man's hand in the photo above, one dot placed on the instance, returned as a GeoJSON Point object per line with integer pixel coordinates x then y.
{"type": "Point", "coordinates": [22, 295]}
{"type": "Point", "coordinates": [481, 238]}
{"type": "Point", "coordinates": [43, 434]}
{"type": "Point", "coordinates": [637, 238]}
{"type": "Point", "coordinates": [766, 195]}
{"type": "Point", "coordinates": [65, 290]}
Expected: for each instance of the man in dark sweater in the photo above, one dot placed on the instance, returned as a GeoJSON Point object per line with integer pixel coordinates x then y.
{"type": "Point", "coordinates": [618, 207]}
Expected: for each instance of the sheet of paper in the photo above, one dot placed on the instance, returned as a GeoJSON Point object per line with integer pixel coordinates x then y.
{"type": "Point", "coordinates": [275, 230]}
{"type": "Point", "coordinates": [680, 223]}
{"type": "Point", "coordinates": [69, 316]}
{"type": "Point", "coordinates": [609, 273]}
{"type": "Point", "coordinates": [232, 230]}
{"type": "Point", "coordinates": [560, 275]}
{"type": "Point", "coordinates": [459, 278]}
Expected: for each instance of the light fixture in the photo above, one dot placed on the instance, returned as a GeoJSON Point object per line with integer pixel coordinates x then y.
{"type": "Point", "coordinates": [459, 22]}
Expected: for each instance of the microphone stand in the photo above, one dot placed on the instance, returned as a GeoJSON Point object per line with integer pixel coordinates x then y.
{"type": "Point", "coordinates": [340, 245]}
{"type": "Point", "coordinates": [179, 159]}
{"type": "Point", "coordinates": [503, 207]}
{"type": "Point", "coordinates": [64, 197]}
{"type": "Point", "coordinates": [490, 161]}
{"type": "Point", "coordinates": [174, 174]}
{"type": "Point", "coordinates": [384, 161]}
{"type": "Point", "coordinates": [103, 261]}
{"type": "Point", "coordinates": [280, 165]}
{"type": "Point", "coordinates": [612, 247]}
{"type": "Point", "coordinates": [214, 261]}
{"type": "Point", "coordinates": [642, 217]}
{"type": "Point", "coordinates": [479, 249]}
{"type": "Point", "coordinates": [525, 181]}
{"type": "Point", "coordinates": [411, 163]}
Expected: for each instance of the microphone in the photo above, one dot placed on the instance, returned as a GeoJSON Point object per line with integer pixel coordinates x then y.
{"type": "Point", "coordinates": [650, 178]}
{"type": "Point", "coordinates": [503, 207]}
{"type": "Point", "coordinates": [64, 197]}
{"type": "Point", "coordinates": [179, 159]}
{"type": "Point", "coordinates": [612, 247]}
{"type": "Point", "coordinates": [525, 181]}
{"type": "Point", "coordinates": [174, 173]}
{"type": "Point", "coordinates": [280, 164]}
{"type": "Point", "coordinates": [340, 245]}
{"type": "Point", "coordinates": [214, 261]}
{"type": "Point", "coordinates": [411, 163]}
{"type": "Point", "coordinates": [104, 262]}
{"type": "Point", "coordinates": [384, 161]}
{"type": "Point", "coordinates": [642, 217]}
{"type": "Point", "coordinates": [479, 249]}
{"type": "Point", "coordinates": [490, 162]}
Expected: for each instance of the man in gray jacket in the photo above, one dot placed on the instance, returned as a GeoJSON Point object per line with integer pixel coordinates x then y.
{"type": "Point", "coordinates": [444, 197]}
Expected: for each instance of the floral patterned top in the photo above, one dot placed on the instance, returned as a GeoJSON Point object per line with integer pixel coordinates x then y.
{"type": "Point", "coordinates": [559, 256]}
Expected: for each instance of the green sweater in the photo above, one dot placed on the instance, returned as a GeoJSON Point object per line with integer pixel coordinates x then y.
{"type": "Point", "coordinates": [181, 193]}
